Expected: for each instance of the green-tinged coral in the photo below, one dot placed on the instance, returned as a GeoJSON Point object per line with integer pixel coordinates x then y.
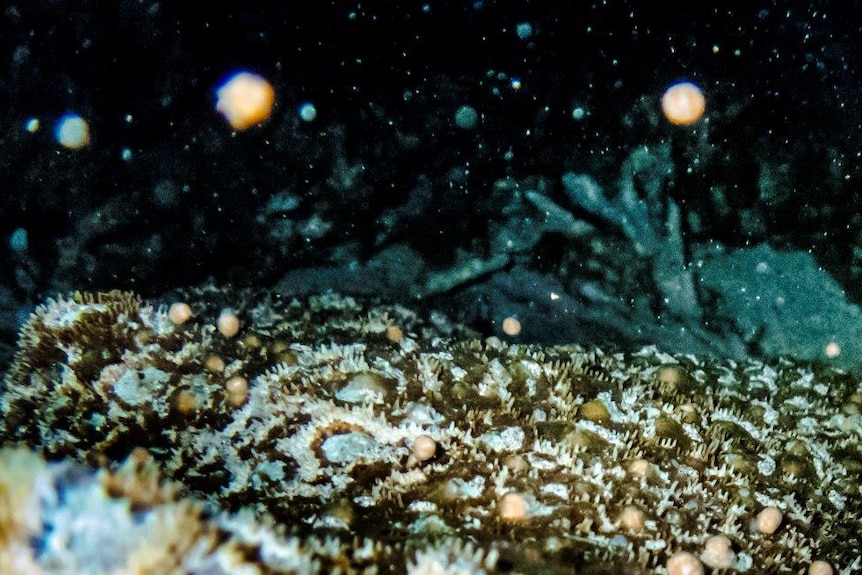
{"type": "Point", "coordinates": [546, 458]}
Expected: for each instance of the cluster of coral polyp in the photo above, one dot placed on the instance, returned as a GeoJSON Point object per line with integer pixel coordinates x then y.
{"type": "Point", "coordinates": [410, 452]}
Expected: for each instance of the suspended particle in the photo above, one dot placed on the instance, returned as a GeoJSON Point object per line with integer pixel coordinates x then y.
{"type": "Point", "coordinates": [245, 100]}
{"type": "Point", "coordinates": [820, 567]}
{"type": "Point", "coordinates": [72, 132]}
{"type": "Point", "coordinates": [511, 326]}
{"type": "Point", "coordinates": [768, 520]}
{"type": "Point", "coordinates": [513, 508]}
{"type": "Point", "coordinates": [424, 448]}
{"type": "Point", "coordinates": [228, 323]}
{"type": "Point", "coordinates": [466, 117]}
{"type": "Point", "coordinates": [237, 390]}
{"type": "Point", "coordinates": [683, 104]}
{"type": "Point", "coordinates": [308, 112]}
{"type": "Point", "coordinates": [684, 563]}
{"type": "Point", "coordinates": [180, 313]}
{"type": "Point", "coordinates": [18, 240]}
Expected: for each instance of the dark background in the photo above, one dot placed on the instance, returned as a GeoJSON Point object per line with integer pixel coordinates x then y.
{"type": "Point", "coordinates": [782, 83]}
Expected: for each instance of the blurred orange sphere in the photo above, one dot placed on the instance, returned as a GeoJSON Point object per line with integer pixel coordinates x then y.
{"type": "Point", "coordinates": [228, 323]}
{"type": "Point", "coordinates": [180, 313]}
{"type": "Point", "coordinates": [511, 326]}
{"type": "Point", "coordinates": [245, 100]}
{"type": "Point", "coordinates": [683, 104]}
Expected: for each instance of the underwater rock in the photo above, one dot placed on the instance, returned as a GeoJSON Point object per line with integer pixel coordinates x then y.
{"type": "Point", "coordinates": [369, 443]}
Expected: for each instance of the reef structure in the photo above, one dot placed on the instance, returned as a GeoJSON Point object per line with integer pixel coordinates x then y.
{"type": "Point", "coordinates": [358, 438]}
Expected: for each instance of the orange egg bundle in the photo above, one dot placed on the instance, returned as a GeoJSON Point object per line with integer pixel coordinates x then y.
{"type": "Point", "coordinates": [683, 104]}
{"type": "Point", "coordinates": [245, 100]}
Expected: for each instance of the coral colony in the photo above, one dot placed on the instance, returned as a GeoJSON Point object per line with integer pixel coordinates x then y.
{"type": "Point", "coordinates": [328, 436]}
{"type": "Point", "coordinates": [434, 288]}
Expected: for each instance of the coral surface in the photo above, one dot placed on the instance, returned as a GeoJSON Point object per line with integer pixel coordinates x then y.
{"type": "Point", "coordinates": [360, 440]}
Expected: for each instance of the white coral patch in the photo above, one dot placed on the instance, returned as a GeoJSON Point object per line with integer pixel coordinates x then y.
{"type": "Point", "coordinates": [350, 447]}
{"type": "Point", "coordinates": [509, 439]}
{"type": "Point", "coordinates": [461, 489]}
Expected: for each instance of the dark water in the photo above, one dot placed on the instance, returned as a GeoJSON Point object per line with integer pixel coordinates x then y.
{"type": "Point", "coordinates": [736, 235]}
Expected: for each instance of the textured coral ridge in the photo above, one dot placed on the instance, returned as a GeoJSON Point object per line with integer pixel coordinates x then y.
{"type": "Point", "coordinates": [64, 519]}
{"type": "Point", "coordinates": [378, 447]}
